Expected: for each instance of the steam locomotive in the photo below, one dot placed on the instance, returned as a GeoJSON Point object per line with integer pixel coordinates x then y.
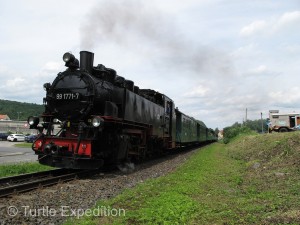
{"type": "Point", "coordinates": [105, 119]}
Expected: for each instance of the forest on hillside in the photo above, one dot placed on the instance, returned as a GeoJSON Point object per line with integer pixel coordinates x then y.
{"type": "Point", "coordinates": [20, 110]}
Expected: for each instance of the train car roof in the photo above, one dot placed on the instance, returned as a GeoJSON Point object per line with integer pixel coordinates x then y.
{"type": "Point", "coordinates": [192, 118]}
{"type": "Point", "coordinates": [153, 92]}
{"type": "Point", "coordinates": [201, 123]}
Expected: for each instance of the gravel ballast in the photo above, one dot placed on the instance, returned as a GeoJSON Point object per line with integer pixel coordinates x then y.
{"type": "Point", "coordinates": [55, 204]}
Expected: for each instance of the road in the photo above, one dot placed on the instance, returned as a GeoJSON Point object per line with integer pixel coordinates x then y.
{"type": "Point", "coordinates": [11, 154]}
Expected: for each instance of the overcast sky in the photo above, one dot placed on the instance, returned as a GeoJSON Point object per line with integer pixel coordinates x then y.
{"type": "Point", "coordinates": [214, 58]}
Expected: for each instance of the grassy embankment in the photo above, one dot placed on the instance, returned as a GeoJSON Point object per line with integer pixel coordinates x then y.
{"type": "Point", "coordinates": [252, 180]}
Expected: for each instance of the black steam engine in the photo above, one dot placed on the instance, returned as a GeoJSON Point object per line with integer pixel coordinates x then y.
{"type": "Point", "coordinates": [105, 119]}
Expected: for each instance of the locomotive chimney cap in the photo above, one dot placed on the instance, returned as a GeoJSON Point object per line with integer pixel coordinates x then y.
{"type": "Point", "coordinates": [86, 61]}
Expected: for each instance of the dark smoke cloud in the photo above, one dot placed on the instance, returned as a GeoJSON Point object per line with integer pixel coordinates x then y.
{"type": "Point", "coordinates": [120, 22]}
{"type": "Point", "coordinates": [139, 26]}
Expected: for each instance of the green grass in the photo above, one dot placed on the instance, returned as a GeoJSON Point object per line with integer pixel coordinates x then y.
{"type": "Point", "coordinates": [202, 190]}
{"type": "Point", "coordinates": [272, 176]}
{"type": "Point", "coordinates": [21, 168]}
{"type": "Point", "coordinates": [252, 180]}
{"type": "Point", "coordinates": [23, 145]}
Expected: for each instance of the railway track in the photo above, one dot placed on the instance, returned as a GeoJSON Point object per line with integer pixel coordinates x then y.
{"type": "Point", "coordinates": [27, 182]}
{"type": "Point", "coordinates": [31, 181]}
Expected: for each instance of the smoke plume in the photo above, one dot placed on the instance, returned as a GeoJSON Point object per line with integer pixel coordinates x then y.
{"type": "Point", "coordinates": [143, 28]}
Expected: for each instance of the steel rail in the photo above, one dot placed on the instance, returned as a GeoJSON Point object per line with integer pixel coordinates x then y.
{"type": "Point", "coordinates": [44, 182]}
{"type": "Point", "coordinates": [24, 177]}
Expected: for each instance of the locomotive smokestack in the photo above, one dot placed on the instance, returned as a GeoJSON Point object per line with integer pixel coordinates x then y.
{"type": "Point", "coordinates": [86, 61]}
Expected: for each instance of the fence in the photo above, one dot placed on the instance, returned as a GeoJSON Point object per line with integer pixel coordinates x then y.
{"type": "Point", "coordinates": [15, 127]}
{"type": "Point", "coordinates": [10, 126]}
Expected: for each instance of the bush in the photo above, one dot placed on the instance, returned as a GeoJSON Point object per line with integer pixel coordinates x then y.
{"type": "Point", "coordinates": [233, 131]}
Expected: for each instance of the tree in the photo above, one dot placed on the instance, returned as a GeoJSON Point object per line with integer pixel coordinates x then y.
{"type": "Point", "coordinates": [18, 110]}
{"type": "Point", "coordinates": [217, 131]}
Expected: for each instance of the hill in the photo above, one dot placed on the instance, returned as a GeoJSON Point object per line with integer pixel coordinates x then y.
{"type": "Point", "coordinates": [14, 109]}
{"type": "Point", "coordinates": [272, 176]}
{"type": "Point", "coordinates": [252, 180]}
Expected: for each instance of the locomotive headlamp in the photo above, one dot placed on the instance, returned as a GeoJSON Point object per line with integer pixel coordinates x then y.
{"type": "Point", "coordinates": [70, 61]}
{"type": "Point", "coordinates": [33, 121]}
{"type": "Point", "coordinates": [97, 121]}
{"type": "Point", "coordinates": [68, 57]}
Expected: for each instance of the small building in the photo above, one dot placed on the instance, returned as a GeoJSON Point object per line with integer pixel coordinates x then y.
{"type": "Point", "coordinates": [4, 117]}
{"type": "Point", "coordinates": [221, 134]}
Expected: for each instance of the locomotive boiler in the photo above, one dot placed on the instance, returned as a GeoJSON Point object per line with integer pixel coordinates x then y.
{"type": "Point", "coordinates": [105, 119]}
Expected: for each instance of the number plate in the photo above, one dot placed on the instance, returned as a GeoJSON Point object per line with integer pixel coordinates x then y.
{"type": "Point", "coordinates": [67, 96]}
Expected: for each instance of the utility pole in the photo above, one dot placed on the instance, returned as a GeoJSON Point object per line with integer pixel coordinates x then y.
{"type": "Point", "coordinates": [19, 115]}
{"type": "Point", "coordinates": [17, 125]}
{"type": "Point", "coordinates": [246, 116]}
{"type": "Point", "coordinates": [262, 123]}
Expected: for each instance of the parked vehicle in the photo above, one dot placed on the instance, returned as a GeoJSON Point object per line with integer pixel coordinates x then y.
{"type": "Point", "coordinates": [3, 136]}
{"type": "Point", "coordinates": [30, 138]}
{"type": "Point", "coordinates": [283, 122]}
{"type": "Point", "coordinates": [16, 137]}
